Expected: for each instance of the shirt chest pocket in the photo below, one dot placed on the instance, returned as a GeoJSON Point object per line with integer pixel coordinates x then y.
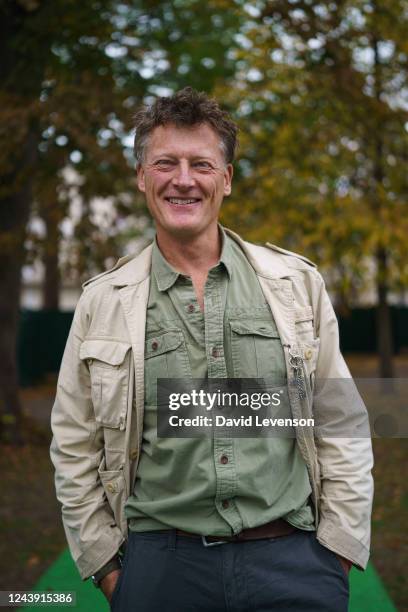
{"type": "Point", "coordinates": [256, 350]}
{"type": "Point", "coordinates": [109, 368]}
{"type": "Point", "coordinates": [165, 357]}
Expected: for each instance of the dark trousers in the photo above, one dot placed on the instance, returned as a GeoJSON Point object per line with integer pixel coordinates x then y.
{"type": "Point", "coordinates": [163, 572]}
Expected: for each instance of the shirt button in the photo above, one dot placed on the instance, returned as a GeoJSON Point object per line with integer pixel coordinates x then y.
{"type": "Point", "coordinates": [225, 504]}
{"type": "Point", "coordinates": [190, 308]}
{"type": "Point", "coordinates": [308, 353]}
{"type": "Point", "coordinates": [133, 453]}
{"type": "Point", "coordinates": [224, 459]}
{"type": "Point", "coordinates": [215, 352]}
{"type": "Point", "coordinates": [155, 345]}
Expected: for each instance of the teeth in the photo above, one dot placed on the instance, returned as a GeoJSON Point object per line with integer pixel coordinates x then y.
{"type": "Point", "coordinates": [182, 201]}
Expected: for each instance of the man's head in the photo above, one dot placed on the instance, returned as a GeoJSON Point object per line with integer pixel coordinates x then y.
{"type": "Point", "coordinates": [186, 108]}
{"type": "Point", "coordinates": [184, 146]}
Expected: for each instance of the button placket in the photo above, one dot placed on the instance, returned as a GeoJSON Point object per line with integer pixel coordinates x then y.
{"type": "Point", "coordinates": [223, 443]}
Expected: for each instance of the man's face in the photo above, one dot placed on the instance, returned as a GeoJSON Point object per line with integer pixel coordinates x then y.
{"type": "Point", "coordinates": [185, 178]}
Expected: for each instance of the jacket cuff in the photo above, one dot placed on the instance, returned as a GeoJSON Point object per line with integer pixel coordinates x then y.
{"type": "Point", "coordinates": [343, 543]}
{"type": "Point", "coordinates": [99, 553]}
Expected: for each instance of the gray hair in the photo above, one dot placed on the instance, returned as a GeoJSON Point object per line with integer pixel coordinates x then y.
{"type": "Point", "coordinates": [186, 107]}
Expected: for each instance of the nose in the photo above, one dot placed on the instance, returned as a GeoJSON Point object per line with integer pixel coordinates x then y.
{"type": "Point", "coordinates": [183, 176]}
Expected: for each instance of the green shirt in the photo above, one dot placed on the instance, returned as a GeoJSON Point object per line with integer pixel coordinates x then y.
{"type": "Point", "coordinates": [182, 482]}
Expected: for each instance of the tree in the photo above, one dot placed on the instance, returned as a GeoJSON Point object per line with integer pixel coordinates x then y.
{"type": "Point", "coordinates": [72, 74]}
{"type": "Point", "coordinates": [320, 94]}
{"type": "Point", "coordinates": [46, 57]}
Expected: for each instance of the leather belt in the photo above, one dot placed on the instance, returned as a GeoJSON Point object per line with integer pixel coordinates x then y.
{"type": "Point", "coordinates": [273, 529]}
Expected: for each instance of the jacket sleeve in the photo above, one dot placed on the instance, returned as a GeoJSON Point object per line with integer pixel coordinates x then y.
{"type": "Point", "coordinates": [76, 452]}
{"type": "Point", "coordinates": [345, 460]}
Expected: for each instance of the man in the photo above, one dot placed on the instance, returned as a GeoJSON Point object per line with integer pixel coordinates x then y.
{"type": "Point", "coordinates": [211, 523]}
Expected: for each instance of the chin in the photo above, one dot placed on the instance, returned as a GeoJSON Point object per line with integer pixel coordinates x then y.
{"type": "Point", "coordinates": [183, 229]}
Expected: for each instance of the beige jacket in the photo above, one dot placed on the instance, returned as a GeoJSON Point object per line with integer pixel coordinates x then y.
{"type": "Point", "coordinates": [97, 418]}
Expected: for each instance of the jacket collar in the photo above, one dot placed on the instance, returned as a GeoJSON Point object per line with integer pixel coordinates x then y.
{"type": "Point", "coordinates": [134, 271]}
{"type": "Point", "coordinates": [266, 263]}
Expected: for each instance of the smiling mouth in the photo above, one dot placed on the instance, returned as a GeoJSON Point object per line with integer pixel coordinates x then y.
{"type": "Point", "coordinates": [183, 201]}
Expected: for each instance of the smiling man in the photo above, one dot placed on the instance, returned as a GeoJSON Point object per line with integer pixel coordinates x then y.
{"type": "Point", "coordinates": [211, 524]}
{"type": "Point", "coordinates": [184, 174]}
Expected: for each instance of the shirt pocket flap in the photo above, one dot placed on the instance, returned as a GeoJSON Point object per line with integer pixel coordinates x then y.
{"type": "Point", "coordinates": [110, 352]}
{"type": "Point", "coordinates": [169, 341]}
{"type": "Point", "coordinates": [258, 328]}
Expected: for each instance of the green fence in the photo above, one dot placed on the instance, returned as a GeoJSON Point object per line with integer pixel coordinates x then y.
{"type": "Point", "coordinates": [358, 330]}
{"type": "Point", "coordinates": [40, 344]}
{"type": "Point", "coordinates": [43, 334]}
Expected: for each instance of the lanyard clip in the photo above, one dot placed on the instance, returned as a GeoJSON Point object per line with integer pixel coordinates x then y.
{"type": "Point", "coordinates": [296, 363]}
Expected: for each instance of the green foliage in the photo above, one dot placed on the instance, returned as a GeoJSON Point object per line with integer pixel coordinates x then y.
{"type": "Point", "coordinates": [321, 98]}
{"type": "Point", "coordinates": [319, 90]}
{"type": "Point", "coordinates": [73, 77]}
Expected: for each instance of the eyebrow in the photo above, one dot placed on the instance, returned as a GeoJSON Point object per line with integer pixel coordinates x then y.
{"type": "Point", "coordinates": [193, 157]}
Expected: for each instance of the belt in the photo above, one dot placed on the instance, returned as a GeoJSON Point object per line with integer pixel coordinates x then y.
{"type": "Point", "coordinates": [273, 529]}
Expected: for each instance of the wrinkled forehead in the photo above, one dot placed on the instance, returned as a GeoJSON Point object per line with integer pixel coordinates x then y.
{"type": "Point", "coordinates": [185, 142]}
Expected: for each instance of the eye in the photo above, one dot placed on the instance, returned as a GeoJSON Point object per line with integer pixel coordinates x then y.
{"type": "Point", "coordinates": [163, 162]}
{"type": "Point", "coordinates": [202, 164]}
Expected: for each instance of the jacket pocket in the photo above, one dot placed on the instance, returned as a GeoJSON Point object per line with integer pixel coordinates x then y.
{"type": "Point", "coordinates": [109, 367]}
{"type": "Point", "coordinates": [304, 324]}
{"type": "Point", "coordinates": [113, 483]}
{"type": "Point", "coordinates": [310, 353]}
{"type": "Point", "coordinates": [256, 350]}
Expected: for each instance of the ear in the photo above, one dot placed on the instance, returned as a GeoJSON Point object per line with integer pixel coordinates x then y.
{"type": "Point", "coordinates": [228, 172]}
{"type": "Point", "coordinates": [140, 178]}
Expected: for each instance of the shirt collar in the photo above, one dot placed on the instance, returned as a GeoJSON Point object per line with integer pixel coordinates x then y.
{"type": "Point", "coordinates": [226, 250]}
{"type": "Point", "coordinates": [166, 275]}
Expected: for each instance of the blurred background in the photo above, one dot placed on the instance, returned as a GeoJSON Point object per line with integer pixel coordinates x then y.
{"type": "Point", "coordinates": [320, 92]}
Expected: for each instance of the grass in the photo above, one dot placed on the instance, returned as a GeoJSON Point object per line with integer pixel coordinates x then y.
{"type": "Point", "coordinates": [31, 533]}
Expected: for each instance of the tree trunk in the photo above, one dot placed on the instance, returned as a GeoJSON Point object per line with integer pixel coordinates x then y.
{"type": "Point", "coordinates": [20, 89]}
{"type": "Point", "coordinates": [52, 279]}
{"type": "Point", "coordinates": [9, 318]}
{"type": "Point", "coordinates": [384, 326]}
{"type": "Point", "coordinates": [384, 323]}
{"type": "Point", "coordinates": [14, 214]}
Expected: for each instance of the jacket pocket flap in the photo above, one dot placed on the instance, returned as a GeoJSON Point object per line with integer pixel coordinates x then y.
{"type": "Point", "coordinates": [169, 341]}
{"type": "Point", "coordinates": [108, 351]}
{"type": "Point", "coordinates": [258, 328]}
{"type": "Point", "coordinates": [303, 314]}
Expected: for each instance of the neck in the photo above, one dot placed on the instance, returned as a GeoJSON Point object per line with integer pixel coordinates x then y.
{"type": "Point", "coordinates": [191, 254]}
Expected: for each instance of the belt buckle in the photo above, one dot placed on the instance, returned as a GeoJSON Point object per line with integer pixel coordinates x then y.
{"type": "Point", "coordinates": [217, 543]}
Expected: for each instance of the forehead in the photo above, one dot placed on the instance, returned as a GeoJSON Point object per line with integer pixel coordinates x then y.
{"type": "Point", "coordinates": [191, 141]}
